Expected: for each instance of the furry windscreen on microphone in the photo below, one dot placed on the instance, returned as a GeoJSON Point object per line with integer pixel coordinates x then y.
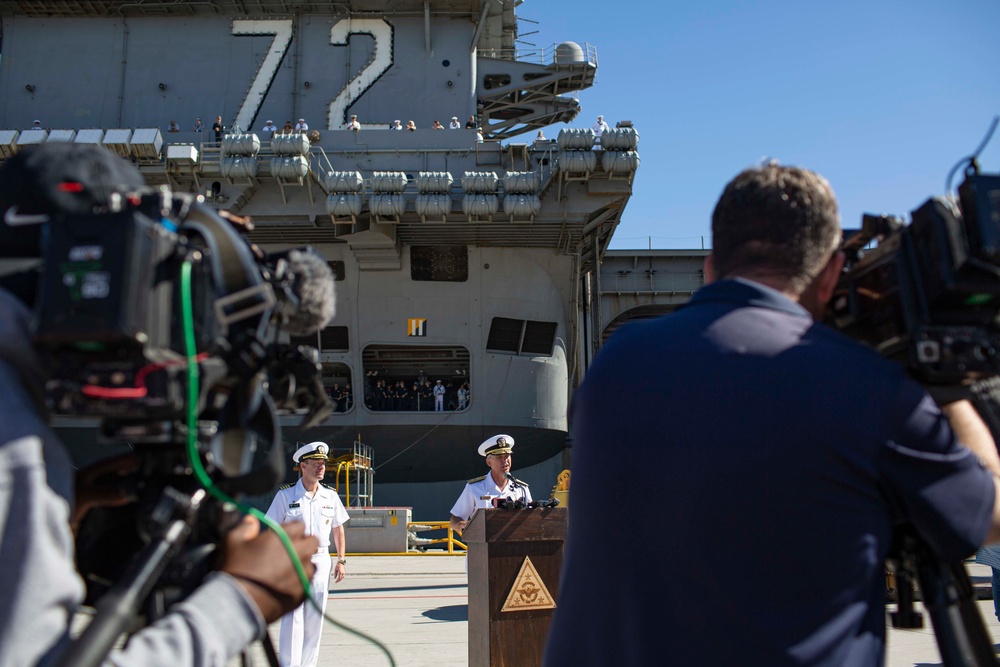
{"type": "Point", "coordinates": [313, 285]}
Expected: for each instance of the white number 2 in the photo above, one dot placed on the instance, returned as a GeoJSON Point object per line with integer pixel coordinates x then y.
{"type": "Point", "coordinates": [381, 61]}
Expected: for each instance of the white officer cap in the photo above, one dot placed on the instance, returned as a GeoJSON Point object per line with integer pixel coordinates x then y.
{"type": "Point", "coordinates": [314, 450]}
{"type": "Point", "coordinates": [496, 444]}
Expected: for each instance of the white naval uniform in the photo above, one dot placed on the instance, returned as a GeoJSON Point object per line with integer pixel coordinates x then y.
{"type": "Point", "coordinates": [472, 497]}
{"type": "Point", "coordinates": [301, 628]}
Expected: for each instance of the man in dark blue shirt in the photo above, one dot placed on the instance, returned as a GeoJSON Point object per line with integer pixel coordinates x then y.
{"type": "Point", "coordinates": [772, 464]}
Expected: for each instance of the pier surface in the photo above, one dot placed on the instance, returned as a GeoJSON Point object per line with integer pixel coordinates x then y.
{"type": "Point", "coordinates": [417, 607]}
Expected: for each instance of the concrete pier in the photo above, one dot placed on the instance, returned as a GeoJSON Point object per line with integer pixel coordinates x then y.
{"type": "Point", "coordinates": [417, 607]}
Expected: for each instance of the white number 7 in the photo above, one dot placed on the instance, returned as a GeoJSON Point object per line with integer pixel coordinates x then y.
{"type": "Point", "coordinates": [282, 31]}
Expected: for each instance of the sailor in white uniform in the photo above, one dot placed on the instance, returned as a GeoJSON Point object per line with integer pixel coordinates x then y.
{"type": "Point", "coordinates": [320, 508]}
{"type": "Point", "coordinates": [481, 491]}
{"type": "Point", "coordinates": [600, 127]}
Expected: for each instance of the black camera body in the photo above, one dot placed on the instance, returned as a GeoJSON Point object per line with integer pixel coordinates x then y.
{"type": "Point", "coordinates": [108, 318]}
{"type": "Point", "coordinates": [110, 321]}
{"type": "Point", "coordinates": [107, 310]}
{"type": "Point", "coordinates": [929, 294]}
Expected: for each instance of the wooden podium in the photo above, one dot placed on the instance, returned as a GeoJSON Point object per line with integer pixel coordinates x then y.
{"type": "Point", "coordinates": [514, 562]}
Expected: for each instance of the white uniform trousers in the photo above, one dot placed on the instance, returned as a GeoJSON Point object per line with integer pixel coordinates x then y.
{"type": "Point", "coordinates": [301, 628]}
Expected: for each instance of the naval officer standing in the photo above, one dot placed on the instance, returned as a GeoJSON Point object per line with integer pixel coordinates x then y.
{"type": "Point", "coordinates": [480, 492]}
{"type": "Point", "coordinates": [319, 507]}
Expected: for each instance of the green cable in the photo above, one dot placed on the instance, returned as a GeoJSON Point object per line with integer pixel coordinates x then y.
{"type": "Point", "coordinates": [194, 459]}
{"type": "Point", "coordinates": [187, 319]}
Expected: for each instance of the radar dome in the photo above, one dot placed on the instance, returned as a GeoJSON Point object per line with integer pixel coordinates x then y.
{"type": "Point", "coordinates": [569, 52]}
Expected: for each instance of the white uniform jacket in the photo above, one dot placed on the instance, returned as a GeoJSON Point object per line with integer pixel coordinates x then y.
{"type": "Point", "coordinates": [480, 492]}
{"type": "Point", "coordinates": [321, 513]}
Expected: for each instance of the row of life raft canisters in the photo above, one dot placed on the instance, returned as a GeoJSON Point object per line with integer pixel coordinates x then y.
{"type": "Point", "coordinates": [239, 155]}
{"type": "Point", "coordinates": [576, 155]}
{"type": "Point", "coordinates": [618, 155]}
{"type": "Point", "coordinates": [481, 198]}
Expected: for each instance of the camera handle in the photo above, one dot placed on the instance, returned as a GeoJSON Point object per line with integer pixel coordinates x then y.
{"type": "Point", "coordinates": [269, 652]}
{"type": "Point", "coordinates": [117, 608]}
{"type": "Point", "coordinates": [950, 600]}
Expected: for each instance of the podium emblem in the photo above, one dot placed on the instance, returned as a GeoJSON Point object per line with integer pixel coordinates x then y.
{"type": "Point", "coordinates": [528, 591]}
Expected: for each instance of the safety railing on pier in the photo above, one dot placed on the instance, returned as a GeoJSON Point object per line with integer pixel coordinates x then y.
{"type": "Point", "coordinates": [452, 543]}
{"type": "Point", "coordinates": [357, 464]}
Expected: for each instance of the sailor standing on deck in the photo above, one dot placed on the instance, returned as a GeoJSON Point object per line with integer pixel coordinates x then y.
{"type": "Point", "coordinates": [319, 507]}
{"type": "Point", "coordinates": [480, 492]}
{"type": "Point", "coordinates": [439, 392]}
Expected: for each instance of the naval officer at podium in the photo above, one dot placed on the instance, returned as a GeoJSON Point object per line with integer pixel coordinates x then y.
{"type": "Point", "coordinates": [481, 491]}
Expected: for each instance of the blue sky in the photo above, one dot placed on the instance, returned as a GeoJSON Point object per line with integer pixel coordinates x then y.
{"type": "Point", "coordinates": [882, 97]}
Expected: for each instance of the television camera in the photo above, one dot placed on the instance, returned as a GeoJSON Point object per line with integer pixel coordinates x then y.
{"type": "Point", "coordinates": [161, 319]}
{"type": "Point", "coordinates": [928, 296]}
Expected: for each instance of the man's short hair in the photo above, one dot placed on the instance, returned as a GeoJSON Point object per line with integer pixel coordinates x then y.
{"type": "Point", "coordinates": [776, 220]}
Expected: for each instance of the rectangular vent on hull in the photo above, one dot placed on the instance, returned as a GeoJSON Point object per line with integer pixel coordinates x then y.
{"type": "Point", "coordinates": [505, 335]}
{"type": "Point", "coordinates": [521, 336]}
{"type": "Point", "coordinates": [330, 339]}
{"type": "Point", "coordinates": [334, 339]}
{"type": "Point", "coordinates": [448, 263]}
{"type": "Point", "coordinates": [538, 338]}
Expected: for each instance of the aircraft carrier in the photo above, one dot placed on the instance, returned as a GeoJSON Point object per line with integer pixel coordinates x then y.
{"type": "Point", "coordinates": [464, 255]}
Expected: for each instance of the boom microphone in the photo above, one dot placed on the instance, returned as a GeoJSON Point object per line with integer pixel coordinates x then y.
{"type": "Point", "coordinates": [513, 482]}
{"type": "Point", "coordinates": [313, 286]}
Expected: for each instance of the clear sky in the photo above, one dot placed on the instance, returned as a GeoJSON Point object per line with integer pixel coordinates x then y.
{"type": "Point", "coordinates": [882, 97]}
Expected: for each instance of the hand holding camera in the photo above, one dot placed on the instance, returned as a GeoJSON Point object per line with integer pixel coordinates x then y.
{"type": "Point", "coordinates": [261, 564]}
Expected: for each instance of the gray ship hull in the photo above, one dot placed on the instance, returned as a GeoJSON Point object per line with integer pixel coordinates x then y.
{"type": "Point", "coordinates": [465, 259]}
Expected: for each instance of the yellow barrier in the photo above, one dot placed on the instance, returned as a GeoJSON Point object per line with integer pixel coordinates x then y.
{"type": "Point", "coordinates": [344, 465]}
{"type": "Point", "coordinates": [440, 525]}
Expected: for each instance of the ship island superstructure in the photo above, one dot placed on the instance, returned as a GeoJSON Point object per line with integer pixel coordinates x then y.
{"type": "Point", "coordinates": [462, 255]}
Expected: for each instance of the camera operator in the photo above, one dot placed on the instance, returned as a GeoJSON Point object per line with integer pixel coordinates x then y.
{"type": "Point", "coordinates": [776, 461]}
{"type": "Point", "coordinates": [42, 591]}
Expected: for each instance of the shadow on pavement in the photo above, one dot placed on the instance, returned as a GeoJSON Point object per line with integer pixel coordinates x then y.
{"type": "Point", "coordinates": [455, 612]}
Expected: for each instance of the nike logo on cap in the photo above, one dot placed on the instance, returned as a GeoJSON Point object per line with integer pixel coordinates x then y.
{"type": "Point", "coordinates": [12, 218]}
